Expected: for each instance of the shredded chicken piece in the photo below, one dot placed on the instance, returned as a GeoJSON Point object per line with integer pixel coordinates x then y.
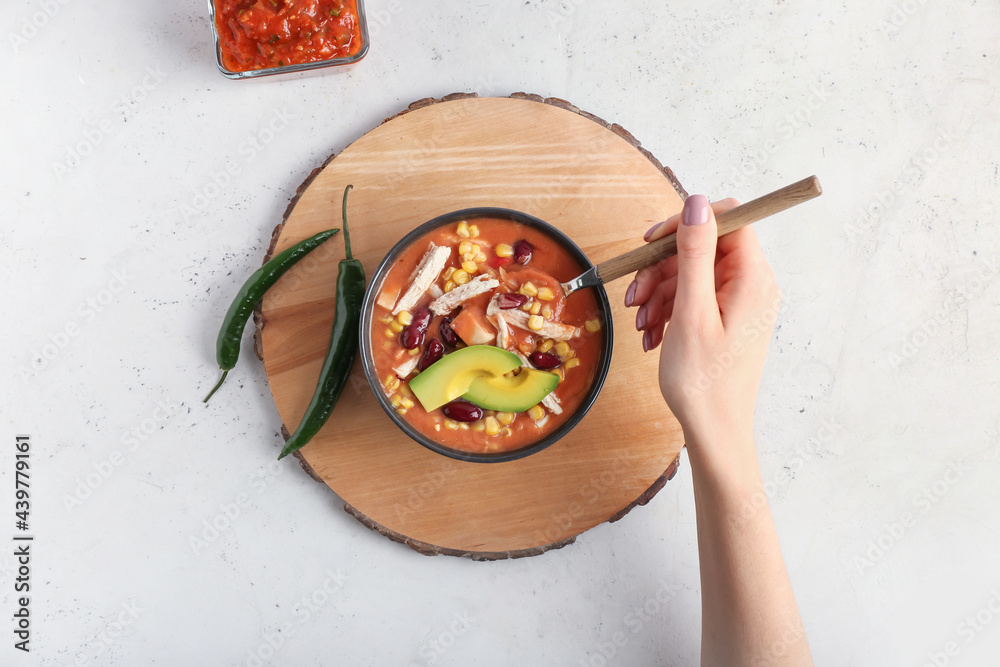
{"type": "Point", "coordinates": [553, 330]}
{"type": "Point", "coordinates": [407, 365]}
{"type": "Point", "coordinates": [435, 291]}
{"type": "Point", "coordinates": [423, 277]}
{"type": "Point", "coordinates": [552, 403]}
{"type": "Point", "coordinates": [503, 332]}
{"type": "Point", "coordinates": [453, 299]}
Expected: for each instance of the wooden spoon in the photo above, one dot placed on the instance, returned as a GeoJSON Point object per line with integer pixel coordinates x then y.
{"type": "Point", "coordinates": [730, 221]}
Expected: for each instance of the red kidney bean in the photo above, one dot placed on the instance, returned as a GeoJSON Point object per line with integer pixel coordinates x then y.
{"type": "Point", "coordinates": [508, 301]}
{"type": "Point", "coordinates": [434, 351]}
{"type": "Point", "coordinates": [413, 335]}
{"type": "Point", "coordinates": [522, 252]}
{"type": "Point", "coordinates": [448, 334]}
{"type": "Point", "coordinates": [462, 411]}
{"type": "Point", "coordinates": [543, 360]}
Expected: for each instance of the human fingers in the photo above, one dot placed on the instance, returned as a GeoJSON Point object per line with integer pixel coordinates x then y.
{"type": "Point", "coordinates": [647, 279]}
{"type": "Point", "coordinates": [650, 312]}
{"type": "Point", "coordinates": [697, 240]}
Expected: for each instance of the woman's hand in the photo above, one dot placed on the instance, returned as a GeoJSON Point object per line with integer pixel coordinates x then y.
{"type": "Point", "coordinates": [721, 301]}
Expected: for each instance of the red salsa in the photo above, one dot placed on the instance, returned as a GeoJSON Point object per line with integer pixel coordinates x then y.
{"type": "Point", "coordinates": [521, 308]}
{"type": "Point", "coordinates": [260, 34]}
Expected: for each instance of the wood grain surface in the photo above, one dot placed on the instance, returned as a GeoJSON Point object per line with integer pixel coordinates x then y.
{"type": "Point", "coordinates": [546, 158]}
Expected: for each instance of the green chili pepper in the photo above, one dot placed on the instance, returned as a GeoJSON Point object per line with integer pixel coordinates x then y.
{"type": "Point", "coordinates": [227, 346]}
{"type": "Point", "coordinates": [342, 349]}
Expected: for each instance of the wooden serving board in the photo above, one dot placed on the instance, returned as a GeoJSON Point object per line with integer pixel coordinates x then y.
{"type": "Point", "coordinates": [544, 157]}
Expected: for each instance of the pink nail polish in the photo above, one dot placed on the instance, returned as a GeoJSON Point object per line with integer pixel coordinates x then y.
{"type": "Point", "coordinates": [645, 237]}
{"type": "Point", "coordinates": [640, 318]}
{"type": "Point", "coordinates": [630, 293]}
{"type": "Point", "coordinates": [696, 210]}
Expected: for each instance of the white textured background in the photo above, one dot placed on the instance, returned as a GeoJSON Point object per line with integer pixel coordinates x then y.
{"type": "Point", "coordinates": [882, 375]}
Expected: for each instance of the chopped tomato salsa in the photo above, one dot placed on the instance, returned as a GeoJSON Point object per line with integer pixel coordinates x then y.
{"type": "Point", "coordinates": [260, 34]}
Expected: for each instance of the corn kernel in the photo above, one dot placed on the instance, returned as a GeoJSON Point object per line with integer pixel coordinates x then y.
{"type": "Point", "coordinates": [545, 345]}
{"type": "Point", "coordinates": [593, 326]}
{"type": "Point", "coordinates": [527, 305]}
{"type": "Point", "coordinates": [506, 432]}
{"type": "Point", "coordinates": [467, 256]}
{"type": "Point", "coordinates": [449, 286]}
{"type": "Point", "coordinates": [571, 363]}
{"type": "Point", "coordinates": [464, 426]}
{"type": "Point", "coordinates": [437, 427]}
{"type": "Point", "coordinates": [469, 266]}
{"type": "Point", "coordinates": [460, 277]}
{"type": "Point", "coordinates": [414, 352]}
{"type": "Point", "coordinates": [464, 247]}
{"type": "Point", "coordinates": [536, 307]}
{"type": "Point", "coordinates": [560, 372]}
{"type": "Point", "coordinates": [447, 272]}
{"type": "Point", "coordinates": [404, 317]}
{"type": "Point", "coordinates": [391, 382]}
{"type": "Point", "coordinates": [474, 231]}
{"type": "Point", "coordinates": [402, 411]}
{"type": "Point", "coordinates": [451, 424]}
{"type": "Point", "coordinates": [504, 250]}
{"type": "Point", "coordinates": [547, 311]}
{"type": "Point", "coordinates": [536, 322]}
{"type": "Point", "coordinates": [561, 348]}
{"type": "Point", "coordinates": [389, 333]}
{"type": "Point", "coordinates": [463, 229]}
{"type": "Point", "coordinates": [385, 319]}
{"type": "Point", "coordinates": [475, 249]}
{"type": "Point", "coordinates": [479, 427]}
{"type": "Point", "coordinates": [480, 257]}
{"type": "Point", "coordinates": [526, 348]}
{"type": "Point", "coordinates": [536, 412]}
{"type": "Point", "coordinates": [505, 418]}
{"type": "Point", "coordinates": [396, 326]}
{"type": "Point", "coordinates": [492, 426]}
{"type": "Point", "coordinates": [546, 293]}
{"type": "Point", "coordinates": [396, 401]}
{"type": "Point", "coordinates": [528, 289]}
{"type": "Point", "coordinates": [404, 390]}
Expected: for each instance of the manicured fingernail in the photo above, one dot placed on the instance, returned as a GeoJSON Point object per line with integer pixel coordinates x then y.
{"type": "Point", "coordinates": [640, 318]}
{"type": "Point", "coordinates": [630, 293]}
{"type": "Point", "coordinates": [647, 340]}
{"type": "Point", "coordinates": [645, 237]}
{"type": "Point", "coordinates": [696, 210]}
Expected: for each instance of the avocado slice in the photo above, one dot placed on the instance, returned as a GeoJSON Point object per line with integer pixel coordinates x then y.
{"type": "Point", "coordinates": [511, 394]}
{"type": "Point", "coordinates": [450, 377]}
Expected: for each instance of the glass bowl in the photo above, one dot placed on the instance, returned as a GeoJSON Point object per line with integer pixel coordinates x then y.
{"type": "Point", "coordinates": [291, 68]}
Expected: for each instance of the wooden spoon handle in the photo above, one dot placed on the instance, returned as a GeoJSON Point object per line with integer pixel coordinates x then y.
{"type": "Point", "coordinates": [730, 221]}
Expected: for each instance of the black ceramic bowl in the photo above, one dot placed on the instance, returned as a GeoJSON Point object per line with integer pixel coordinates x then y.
{"type": "Point", "coordinates": [375, 286]}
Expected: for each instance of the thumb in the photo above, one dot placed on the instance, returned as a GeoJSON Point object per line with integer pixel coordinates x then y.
{"type": "Point", "coordinates": [697, 237]}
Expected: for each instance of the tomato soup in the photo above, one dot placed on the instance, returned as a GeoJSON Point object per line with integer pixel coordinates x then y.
{"type": "Point", "coordinates": [485, 281]}
{"type": "Point", "coordinates": [260, 34]}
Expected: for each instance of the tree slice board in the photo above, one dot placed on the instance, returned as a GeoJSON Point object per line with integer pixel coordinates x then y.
{"type": "Point", "coordinates": [547, 158]}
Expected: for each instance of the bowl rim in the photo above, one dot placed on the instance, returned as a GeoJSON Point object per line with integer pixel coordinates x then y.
{"type": "Point", "coordinates": [290, 69]}
{"type": "Point", "coordinates": [368, 308]}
